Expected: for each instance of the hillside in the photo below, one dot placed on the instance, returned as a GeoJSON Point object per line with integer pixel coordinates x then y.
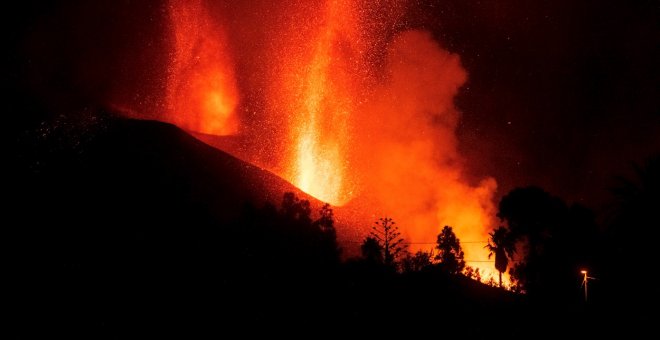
{"type": "Point", "coordinates": [109, 211]}
{"type": "Point", "coordinates": [126, 228]}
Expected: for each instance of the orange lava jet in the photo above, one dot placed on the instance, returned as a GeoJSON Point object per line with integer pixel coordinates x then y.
{"type": "Point", "coordinates": [318, 93]}
{"type": "Point", "coordinates": [345, 103]}
{"type": "Point", "coordinates": [201, 92]}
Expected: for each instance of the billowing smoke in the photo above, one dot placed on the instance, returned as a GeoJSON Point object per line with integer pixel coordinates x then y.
{"type": "Point", "coordinates": [407, 155]}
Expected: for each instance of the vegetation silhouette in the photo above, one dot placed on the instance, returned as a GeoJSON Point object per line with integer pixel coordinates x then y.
{"type": "Point", "coordinates": [473, 273]}
{"type": "Point", "coordinates": [450, 254]}
{"type": "Point", "coordinates": [631, 239]}
{"type": "Point", "coordinates": [386, 234]}
{"type": "Point", "coordinates": [126, 226]}
{"type": "Point", "coordinates": [372, 251]}
{"type": "Point", "coordinates": [421, 260]}
{"type": "Point", "coordinates": [502, 245]}
{"type": "Point", "coordinates": [555, 242]}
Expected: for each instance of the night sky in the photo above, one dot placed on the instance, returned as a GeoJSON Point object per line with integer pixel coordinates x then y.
{"type": "Point", "coordinates": [561, 94]}
{"type": "Point", "coordinates": [121, 227]}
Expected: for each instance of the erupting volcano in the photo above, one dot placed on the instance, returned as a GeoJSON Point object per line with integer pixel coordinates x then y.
{"type": "Point", "coordinates": [340, 98]}
{"type": "Point", "coordinates": [188, 167]}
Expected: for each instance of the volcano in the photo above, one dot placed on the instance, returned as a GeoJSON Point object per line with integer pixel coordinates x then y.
{"type": "Point", "coordinates": [125, 226]}
{"type": "Point", "coordinates": [151, 168]}
{"type": "Point", "coordinates": [170, 163]}
{"type": "Point", "coordinates": [116, 212]}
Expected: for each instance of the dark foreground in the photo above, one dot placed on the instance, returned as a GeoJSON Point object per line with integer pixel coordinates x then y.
{"type": "Point", "coordinates": [133, 229]}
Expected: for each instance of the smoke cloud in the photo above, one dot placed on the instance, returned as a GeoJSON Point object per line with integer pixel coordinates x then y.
{"type": "Point", "coordinates": [407, 155]}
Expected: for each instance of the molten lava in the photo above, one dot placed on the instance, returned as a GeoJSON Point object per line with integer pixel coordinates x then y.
{"type": "Point", "coordinates": [321, 104]}
{"type": "Point", "coordinates": [201, 92]}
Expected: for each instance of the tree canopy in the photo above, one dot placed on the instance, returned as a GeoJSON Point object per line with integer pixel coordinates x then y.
{"type": "Point", "coordinates": [450, 254]}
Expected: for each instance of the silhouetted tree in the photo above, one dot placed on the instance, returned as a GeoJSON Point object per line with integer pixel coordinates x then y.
{"type": "Point", "coordinates": [284, 240]}
{"type": "Point", "coordinates": [388, 237]}
{"type": "Point", "coordinates": [502, 245]}
{"type": "Point", "coordinates": [534, 218]}
{"type": "Point", "coordinates": [473, 273]}
{"type": "Point", "coordinates": [326, 220]}
{"type": "Point", "coordinates": [633, 231]}
{"type": "Point", "coordinates": [372, 251]}
{"type": "Point", "coordinates": [450, 253]}
{"type": "Point", "coordinates": [514, 275]}
{"type": "Point", "coordinates": [531, 212]}
{"type": "Point", "coordinates": [555, 241]}
{"type": "Point", "coordinates": [326, 224]}
{"type": "Point", "coordinates": [295, 209]}
{"type": "Point", "coordinates": [417, 262]}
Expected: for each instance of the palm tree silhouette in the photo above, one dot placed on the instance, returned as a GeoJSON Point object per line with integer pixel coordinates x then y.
{"type": "Point", "coordinates": [502, 245]}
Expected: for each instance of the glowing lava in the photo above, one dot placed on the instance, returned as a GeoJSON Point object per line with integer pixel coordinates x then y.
{"type": "Point", "coordinates": [341, 100]}
{"type": "Point", "coordinates": [322, 106]}
{"type": "Point", "coordinates": [201, 93]}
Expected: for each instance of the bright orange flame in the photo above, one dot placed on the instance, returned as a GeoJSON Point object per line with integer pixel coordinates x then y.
{"type": "Point", "coordinates": [322, 104]}
{"type": "Point", "coordinates": [202, 92]}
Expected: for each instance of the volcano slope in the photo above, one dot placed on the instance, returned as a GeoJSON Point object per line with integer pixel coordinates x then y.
{"type": "Point", "coordinates": [129, 228]}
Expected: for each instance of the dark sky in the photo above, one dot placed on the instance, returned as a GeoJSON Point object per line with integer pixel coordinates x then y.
{"type": "Point", "coordinates": [562, 94]}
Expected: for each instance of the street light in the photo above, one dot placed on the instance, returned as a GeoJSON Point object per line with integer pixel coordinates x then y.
{"type": "Point", "coordinates": [585, 282]}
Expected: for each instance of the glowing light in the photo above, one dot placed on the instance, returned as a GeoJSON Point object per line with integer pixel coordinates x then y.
{"type": "Point", "coordinates": [202, 93]}
{"type": "Point", "coordinates": [343, 103]}
{"type": "Point", "coordinates": [322, 108]}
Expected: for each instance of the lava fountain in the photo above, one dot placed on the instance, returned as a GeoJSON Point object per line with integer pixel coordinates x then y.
{"type": "Point", "coordinates": [317, 89]}
{"type": "Point", "coordinates": [202, 94]}
{"type": "Point", "coordinates": [349, 104]}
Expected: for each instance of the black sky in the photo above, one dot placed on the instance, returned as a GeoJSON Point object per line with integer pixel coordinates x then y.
{"type": "Point", "coordinates": [562, 94]}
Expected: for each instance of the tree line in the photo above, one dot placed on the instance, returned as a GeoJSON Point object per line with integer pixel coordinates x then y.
{"type": "Point", "coordinates": [543, 243]}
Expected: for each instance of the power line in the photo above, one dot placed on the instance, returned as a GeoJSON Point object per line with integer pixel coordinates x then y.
{"type": "Point", "coordinates": [434, 243]}
{"type": "Point", "coordinates": [427, 243]}
{"type": "Point", "coordinates": [437, 243]}
{"type": "Point", "coordinates": [490, 261]}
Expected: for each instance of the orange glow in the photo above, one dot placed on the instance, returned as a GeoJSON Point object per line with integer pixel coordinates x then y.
{"type": "Point", "coordinates": [410, 166]}
{"type": "Point", "coordinates": [316, 90]}
{"type": "Point", "coordinates": [202, 94]}
{"type": "Point", "coordinates": [344, 103]}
